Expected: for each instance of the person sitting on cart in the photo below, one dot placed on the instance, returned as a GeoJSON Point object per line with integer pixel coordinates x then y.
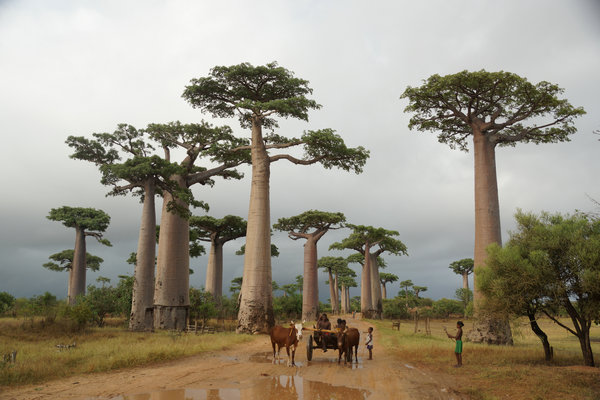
{"type": "Point", "coordinates": [324, 323]}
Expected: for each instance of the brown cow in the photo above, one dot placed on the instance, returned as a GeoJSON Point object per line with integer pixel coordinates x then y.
{"type": "Point", "coordinates": [346, 339]}
{"type": "Point", "coordinates": [287, 337]}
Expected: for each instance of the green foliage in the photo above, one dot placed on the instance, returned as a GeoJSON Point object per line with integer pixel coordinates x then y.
{"type": "Point", "coordinates": [464, 266]}
{"type": "Point", "coordinates": [385, 277]}
{"type": "Point", "coordinates": [207, 228]}
{"type": "Point", "coordinates": [395, 309]}
{"type": "Point", "coordinates": [247, 90]}
{"type": "Point", "coordinates": [362, 235]}
{"type": "Point", "coordinates": [88, 219]}
{"type": "Point", "coordinates": [465, 295]}
{"type": "Point", "coordinates": [443, 308]}
{"type": "Point", "coordinates": [310, 220]}
{"type": "Point", "coordinates": [329, 149]}
{"type": "Point", "coordinates": [551, 262]}
{"type": "Point", "coordinates": [202, 305]}
{"type": "Point", "coordinates": [64, 261]}
{"type": "Point", "coordinates": [101, 302]}
{"type": "Point", "coordinates": [498, 103]}
{"type": "Point", "coordinates": [289, 306]}
{"type": "Point", "coordinates": [7, 302]}
{"type": "Point", "coordinates": [79, 314]}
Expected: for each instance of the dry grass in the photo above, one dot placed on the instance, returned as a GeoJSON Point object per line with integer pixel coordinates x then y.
{"type": "Point", "coordinates": [500, 372]}
{"type": "Point", "coordinates": [96, 350]}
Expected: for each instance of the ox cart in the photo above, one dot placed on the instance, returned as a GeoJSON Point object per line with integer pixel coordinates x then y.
{"type": "Point", "coordinates": [315, 340]}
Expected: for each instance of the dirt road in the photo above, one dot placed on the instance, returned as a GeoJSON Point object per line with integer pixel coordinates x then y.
{"type": "Point", "coordinates": [247, 372]}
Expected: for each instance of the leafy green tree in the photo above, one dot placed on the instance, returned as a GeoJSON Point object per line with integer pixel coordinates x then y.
{"type": "Point", "coordinates": [551, 262]}
{"type": "Point", "coordinates": [256, 95]}
{"type": "Point", "coordinates": [371, 243]}
{"type": "Point", "coordinates": [63, 261]}
{"type": "Point", "coordinates": [202, 305]}
{"type": "Point", "coordinates": [311, 226]}
{"type": "Point", "coordinates": [495, 109]}
{"type": "Point", "coordinates": [101, 301]}
{"type": "Point", "coordinates": [217, 232]}
{"type": "Point", "coordinates": [7, 302]}
{"type": "Point", "coordinates": [465, 295]}
{"type": "Point", "coordinates": [463, 268]}
{"type": "Point", "coordinates": [443, 308]}
{"type": "Point", "coordinates": [407, 284]}
{"type": "Point", "coordinates": [87, 222]}
{"type": "Point", "coordinates": [419, 289]}
{"type": "Point", "coordinates": [385, 277]}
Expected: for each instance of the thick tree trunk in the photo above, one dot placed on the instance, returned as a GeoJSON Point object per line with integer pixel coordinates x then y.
{"type": "Point", "coordinates": [332, 294]}
{"type": "Point", "coordinates": [337, 293]}
{"type": "Point", "coordinates": [214, 270]}
{"type": "Point", "coordinates": [348, 299]}
{"type": "Point", "coordinates": [77, 275]}
{"type": "Point", "coordinates": [487, 231]}
{"type": "Point", "coordinates": [343, 302]}
{"type": "Point", "coordinates": [310, 287]}
{"type": "Point", "coordinates": [256, 306]}
{"type": "Point", "coordinates": [542, 335]}
{"type": "Point", "coordinates": [586, 348]}
{"type": "Point", "coordinates": [172, 288]}
{"type": "Point", "coordinates": [383, 291]}
{"type": "Point", "coordinates": [376, 303]}
{"type": "Point", "coordinates": [365, 287]}
{"type": "Point", "coordinates": [465, 277]}
{"type": "Point", "coordinates": [142, 299]}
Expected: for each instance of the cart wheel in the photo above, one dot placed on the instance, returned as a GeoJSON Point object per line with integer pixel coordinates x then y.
{"type": "Point", "coordinates": [309, 348]}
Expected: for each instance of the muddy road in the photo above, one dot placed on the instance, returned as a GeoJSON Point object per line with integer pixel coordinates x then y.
{"type": "Point", "coordinates": [247, 372]}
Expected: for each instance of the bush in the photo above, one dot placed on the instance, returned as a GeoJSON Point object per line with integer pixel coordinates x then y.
{"type": "Point", "coordinates": [395, 309]}
{"type": "Point", "coordinates": [442, 308]}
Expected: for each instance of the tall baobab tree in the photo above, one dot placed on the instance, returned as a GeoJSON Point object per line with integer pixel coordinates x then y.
{"type": "Point", "coordinates": [464, 268]}
{"type": "Point", "coordinates": [385, 277]}
{"type": "Point", "coordinates": [311, 226]}
{"type": "Point", "coordinates": [222, 149]}
{"type": "Point", "coordinates": [87, 222]}
{"type": "Point", "coordinates": [492, 108]}
{"type": "Point", "coordinates": [145, 175]}
{"type": "Point", "coordinates": [333, 265]}
{"type": "Point", "coordinates": [345, 280]}
{"type": "Point", "coordinates": [63, 261]}
{"type": "Point", "coordinates": [258, 94]}
{"type": "Point", "coordinates": [217, 232]}
{"type": "Point", "coordinates": [419, 289]}
{"type": "Point", "coordinates": [371, 243]}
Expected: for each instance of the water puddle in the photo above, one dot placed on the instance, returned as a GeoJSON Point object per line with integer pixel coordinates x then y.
{"type": "Point", "coordinates": [282, 387]}
{"type": "Point", "coordinates": [267, 357]}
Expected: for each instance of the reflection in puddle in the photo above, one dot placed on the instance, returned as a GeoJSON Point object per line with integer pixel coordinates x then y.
{"type": "Point", "coordinates": [267, 357]}
{"type": "Point", "coordinates": [282, 387]}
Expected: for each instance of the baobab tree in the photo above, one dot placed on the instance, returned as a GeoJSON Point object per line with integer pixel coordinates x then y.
{"type": "Point", "coordinates": [464, 268]}
{"type": "Point", "coordinates": [217, 232]}
{"type": "Point", "coordinates": [146, 175]}
{"type": "Point", "coordinates": [87, 222]}
{"type": "Point", "coordinates": [371, 243]}
{"type": "Point", "coordinates": [63, 261]}
{"type": "Point", "coordinates": [492, 108]}
{"type": "Point", "coordinates": [345, 280]}
{"type": "Point", "coordinates": [419, 289]}
{"type": "Point", "coordinates": [360, 258]}
{"type": "Point", "coordinates": [333, 265]}
{"type": "Point", "coordinates": [406, 285]}
{"type": "Point", "coordinates": [221, 148]}
{"type": "Point", "coordinates": [385, 277]}
{"type": "Point", "coordinates": [311, 225]}
{"type": "Point", "coordinates": [258, 94]}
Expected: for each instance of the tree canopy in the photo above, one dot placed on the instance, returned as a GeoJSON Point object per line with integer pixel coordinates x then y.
{"type": "Point", "coordinates": [499, 103]}
{"type": "Point", "coordinates": [63, 261]}
{"type": "Point", "coordinates": [90, 220]}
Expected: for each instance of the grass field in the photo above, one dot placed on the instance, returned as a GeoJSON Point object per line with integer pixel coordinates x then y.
{"type": "Point", "coordinates": [109, 348]}
{"type": "Point", "coordinates": [500, 372]}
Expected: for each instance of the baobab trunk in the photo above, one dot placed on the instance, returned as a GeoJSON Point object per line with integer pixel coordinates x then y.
{"type": "Point", "coordinates": [171, 291]}
{"type": "Point", "coordinates": [465, 277]}
{"type": "Point", "coordinates": [142, 299]}
{"type": "Point", "coordinates": [487, 231]}
{"type": "Point", "coordinates": [376, 303]}
{"type": "Point", "coordinates": [77, 274]}
{"type": "Point", "coordinates": [256, 305]}
{"type": "Point", "coordinates": [343, 300]}
{"type": "Point", "coordinates": [365, 287]}
{"type": "Point", "coordinates": [310, 287]}
{"type": "Point", "coordinates": [332, 293]}
{"type": "Point", "coordinates": [337, 293]}
{"type": "Point", "coordinates": [214, 270]}
{"type": "Point", "coordinates": [383, 291]}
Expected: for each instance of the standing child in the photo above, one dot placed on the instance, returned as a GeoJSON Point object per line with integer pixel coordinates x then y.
{"type": "Point", "coordinates": [458, 347]}
{"type": "Point", "coordinates": [369, 342]}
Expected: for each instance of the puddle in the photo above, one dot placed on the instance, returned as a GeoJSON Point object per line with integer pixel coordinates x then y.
{"type": "Point", "coordinates": [267, 357]}
{"type": "Point", "coordinates": [282, 387]}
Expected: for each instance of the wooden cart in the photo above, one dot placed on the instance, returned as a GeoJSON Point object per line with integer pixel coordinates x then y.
{"type": "Point", "coordinates": [315, 341]}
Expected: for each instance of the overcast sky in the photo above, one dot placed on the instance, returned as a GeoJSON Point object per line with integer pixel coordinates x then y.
{"type": "Point", "coordinates": [79, 67]}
